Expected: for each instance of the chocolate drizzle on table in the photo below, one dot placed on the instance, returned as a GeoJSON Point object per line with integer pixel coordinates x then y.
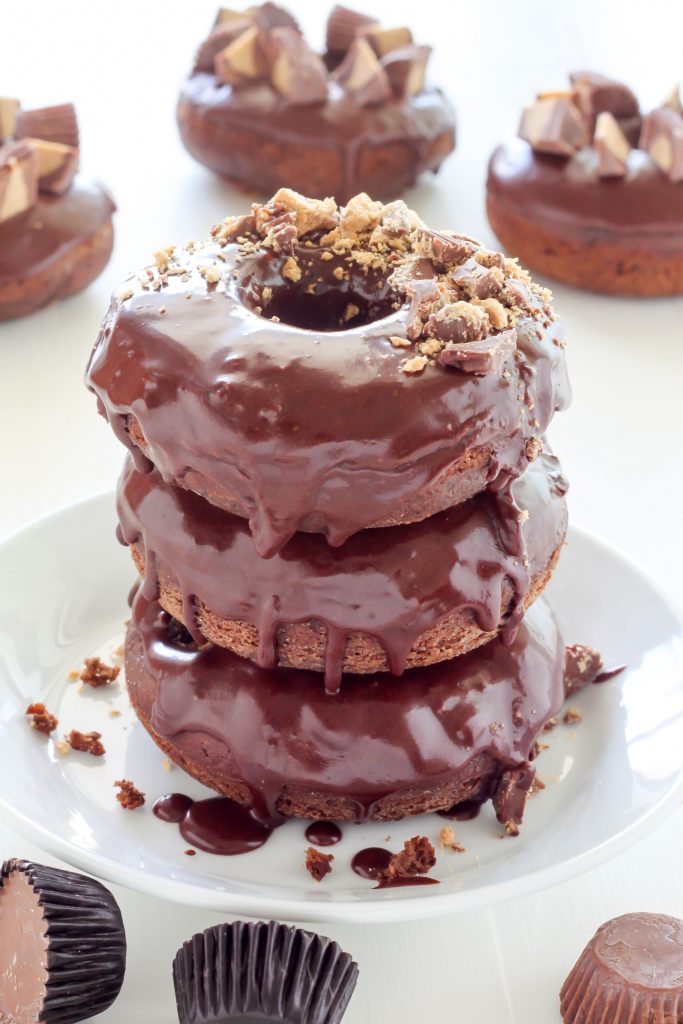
{"type": "Point", "coordinates": [393, 584]}
{"type": "Point", "coordinates": [256, 78]}
{"type": "Point", "coordinates": [274, 736]}
{"type": "Point", "coordinates": [591, 163]}
{"type": "Point", "coordinates": [296, 426]}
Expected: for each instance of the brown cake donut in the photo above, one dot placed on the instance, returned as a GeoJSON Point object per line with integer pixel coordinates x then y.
{"type": "Point", "coordinates": [390, 599]}
{"type": "Point", "coordinates": [592, 193]}
{"type": "Point", "coordinates": [326, 369]}
{"type": "Point", "coordinates": [275, 741]}
{"type": "Point", "coordinates": [263, 109]}
{"type": "Point", "coordinates": [56, 232]}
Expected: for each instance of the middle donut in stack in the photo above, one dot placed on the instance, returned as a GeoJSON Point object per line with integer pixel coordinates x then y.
{"type": "Point", "coordinates": [336, 420]}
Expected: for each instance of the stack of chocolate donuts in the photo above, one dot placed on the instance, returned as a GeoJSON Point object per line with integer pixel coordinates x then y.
{"type": "Point", "coordinates": [341, 502]}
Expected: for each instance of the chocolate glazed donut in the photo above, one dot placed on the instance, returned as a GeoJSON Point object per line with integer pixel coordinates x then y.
{"type": "Point", "coordinates": [263, 109]}
{"type": "Point", "coordinates": [389, 599]}
{"type": "Point", "coordinates": [274, 740]}
{"type": "Point", "coordinates": [55, 249]}
{"type": "Point", "coordinates": [300, 368]}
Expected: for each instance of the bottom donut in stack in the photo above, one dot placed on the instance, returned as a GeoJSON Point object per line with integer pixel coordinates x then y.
{"type": "Point", "coordinates": [383, 748]}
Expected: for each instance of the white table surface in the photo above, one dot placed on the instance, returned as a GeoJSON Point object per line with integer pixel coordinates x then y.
{"type": "Point", "coordinates": [620, 443]}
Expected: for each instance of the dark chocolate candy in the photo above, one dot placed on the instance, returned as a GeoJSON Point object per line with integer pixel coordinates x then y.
{"type": "Point", "coordinates": [62, 945]}
{"type": "Point", "coordinates": [263, 971]}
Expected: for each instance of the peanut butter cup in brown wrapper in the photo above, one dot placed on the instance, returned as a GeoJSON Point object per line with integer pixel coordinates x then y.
{"type": "Point", "coordinates": [62, 945]}
{"type": "Point", "coordinates": [631, 972]}
{"type": "Point", "coordinates": [263, 971]}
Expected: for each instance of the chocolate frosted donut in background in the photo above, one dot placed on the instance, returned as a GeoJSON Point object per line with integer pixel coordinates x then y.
{"type": "Point", "coordinates": [263, 109]}
{"type": "Point", "coordinates": [56, 232]}
{"type": "Point", "coordinates": [592, 193]}
{"type": "Point", "coordinates": [274, 740]}
{"type": "Point", "coordinates": [325, 369]}
{"type": "Point", "coordinates": [393, 598]}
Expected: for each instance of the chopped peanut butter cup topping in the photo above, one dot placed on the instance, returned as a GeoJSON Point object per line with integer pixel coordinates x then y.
{"type": "Point", "coordinates": [607, 112]}
{"type": "Point", "coordinates": [38, 154]}
{"type": "Point", "coordinates": [369, 62]}
{"type": "Point", "coordinates": [463, 302]}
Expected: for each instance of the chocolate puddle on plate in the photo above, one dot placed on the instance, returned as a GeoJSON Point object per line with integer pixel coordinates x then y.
{"type": "Point", "coordinates": [222, 827]}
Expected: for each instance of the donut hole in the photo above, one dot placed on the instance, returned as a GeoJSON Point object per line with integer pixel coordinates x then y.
{"type": "Point", "coordinates": [329, 309]}
{"type": "Point", "coordinates": [330, 295]}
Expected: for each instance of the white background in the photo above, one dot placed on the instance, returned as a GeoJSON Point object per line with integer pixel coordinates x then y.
{"type": "Point", "coordinates": [620, 443]}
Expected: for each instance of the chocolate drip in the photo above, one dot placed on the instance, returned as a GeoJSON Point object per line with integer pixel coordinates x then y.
{"type": "Point", "coordinates": [392, 583]}
{"type": "Point", "coordinates": [301, 427]}
{"type": "Point", "coordinates": [323, 833]}
{"type": "Point", "coordinates": [28, 242]}
{"type": "Point", "coordinates": [281, 734]}
{"type": "Point", "coordinates": [570, 193]}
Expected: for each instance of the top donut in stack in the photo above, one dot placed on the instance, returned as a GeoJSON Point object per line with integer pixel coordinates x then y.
{"type": "Point", "coordinates": [308, 377]}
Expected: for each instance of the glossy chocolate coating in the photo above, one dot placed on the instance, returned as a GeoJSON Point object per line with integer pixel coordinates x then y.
{"type": "Point", "coordinates": [30, 242]}
{"type": "Point", "coordinates": [569, 195]}
{"type": "Point", "coordinates": [378, 736]}
{"type": "Point", "coordinates": [393, 583]}
{"type": "Point", "coordinates": [298, 422]}
{"type": "Point", "coordinates": [208, 108]}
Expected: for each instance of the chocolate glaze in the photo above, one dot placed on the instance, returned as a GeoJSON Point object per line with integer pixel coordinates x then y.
{"type": "Point", "coordinates": [34, 239]}
{"type": "Point", "coordinates": [295, 423]}
{"type": "Point", "coordinates": [377, 736]}
{"type": "Point", "coordinates": [172, 807]}
{"type": "Point", "coordinates": [221, 826]}
{"type": "Point", "coordinates": [216, 825]}
{"type": "Point", "coordinates": [569, 194]}
{"type": "Point", "coordinates": [323, 833]}
{"type": "Point", "coordinates": [393, 583]}
{"type": "Point", "coordinates": [208, 107]}
{"type": "Point", "coordinates": [371, 862]}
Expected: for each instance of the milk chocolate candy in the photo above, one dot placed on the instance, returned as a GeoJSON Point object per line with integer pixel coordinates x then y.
{"type": "Point", "coordinates": [53, 124]}
{"type": "Point", "coordinates": [62, 945]}
{"type": "Point", "coordinates": [296, 71]}
{"type": "Point", "coordinates": [406, 68]}
{"type": "Point", "coordinates": [222, 35]}
{"type": "Point", "coordinates": [596, 93]}
{"type": "Point", "coordinates": [611, 145]}
{"type": "Point", "coordinates": [362, 75]}
{"type": "Point", "coordinates": [57, 165]}
{"type": "Point", "coordinates": [9, 112]}
{"type": "Point", "coordinates": [554, 125]}
{"type": "Point", "coordinates": [631, 972]}
{"type": "Point", "coordinates": [263, 971]}
{"type": "Point", "coordinates": [662, 137]}
{"type": "Point", "coordinates": [343, 25]}
{"type": "Point", "coordinates": [18, 179]}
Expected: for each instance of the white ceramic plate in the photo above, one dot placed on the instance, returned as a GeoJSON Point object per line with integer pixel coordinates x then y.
{"type": "Point", "coordinates": [63, 587]}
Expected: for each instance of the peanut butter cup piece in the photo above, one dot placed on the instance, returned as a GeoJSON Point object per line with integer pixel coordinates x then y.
{"type": "Point", "coordinates": [343, 25]}
{"type": "Point", "coordinates": [262, 971]}
{"type": "Point", "coordinates": [62, 945]}
{"type": "Point", "coordinates": [631, 972]}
